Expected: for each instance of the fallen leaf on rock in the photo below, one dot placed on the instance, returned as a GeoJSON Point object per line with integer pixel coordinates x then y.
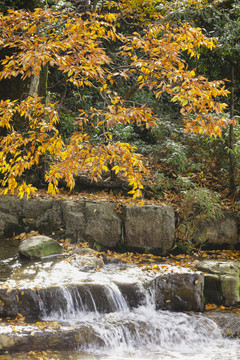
{"type": "Point", "coordinates": [210, 307]}
{"type": "Point", "coordinates": [20, 318]}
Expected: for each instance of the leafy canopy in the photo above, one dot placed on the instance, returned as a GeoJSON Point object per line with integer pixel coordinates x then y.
{"type": "Point", "coordinates": [78, 45]}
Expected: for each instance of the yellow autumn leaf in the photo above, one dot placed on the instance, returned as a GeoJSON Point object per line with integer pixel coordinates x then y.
{"type": "Point", "coordinates": [210, 306]}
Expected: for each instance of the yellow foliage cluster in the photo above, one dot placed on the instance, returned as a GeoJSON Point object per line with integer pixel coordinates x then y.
{"type": "Point", "coordinates": [73, 44]}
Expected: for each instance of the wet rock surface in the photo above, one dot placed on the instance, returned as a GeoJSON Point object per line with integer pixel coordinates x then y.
{"type": "Point", "coordinates": [49, 336]}
{"type": "Point", "coordinates": [180, 292]}
{"type": "Point", "coordinates": [228, 321]}
{"type": "Point", "coordinates": [39, 246]}
{"type": "Point", "coordinates": [221, 281]}
{"type": "Point", "coordinates": [73, 300]}
{"type": "Point", "coordinates": [87, 334]}
{"type": "Point", "coordinates": [86, 262]}
{"type": "Point", "coordinates": [83, 282]}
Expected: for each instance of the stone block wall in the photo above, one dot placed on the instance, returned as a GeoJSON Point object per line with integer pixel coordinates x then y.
{"type": "Point", "coordinates": [146, 227]}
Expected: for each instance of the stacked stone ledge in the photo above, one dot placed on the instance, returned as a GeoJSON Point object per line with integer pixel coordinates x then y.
{"type": "Point", "coordinates": [147, 227]}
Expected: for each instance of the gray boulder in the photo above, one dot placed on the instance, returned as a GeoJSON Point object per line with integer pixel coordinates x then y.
{"type": "Point", "coordinates": [10, 212]}
{"type": "Point", "coordinates": [180, 291]}
{"type": "Point", "coordinates": [223, 231]}
{"type": "Point", "coordinates": [103, 225]}
{"type": "Point", "coordinates": [86, 262]}
{"type": "Point", "coordinates": [24, 302]}
{"type": "Point", "coordinates": [74, 219]}
{"type": "Point", "coordinates": [43, 215]}
{"type": "Point", "coordinates": [8, 224]}
{"type": "Point", "coordinates": [33, 338]}
{"type": "Point", "coordinates": [150, 227]}
{"type": "Point", "coordinates": [39, 246]}
{"type": "Point", "coordinates": [95, 222]}
{"type": "Point", "coordinates": [221, 282]}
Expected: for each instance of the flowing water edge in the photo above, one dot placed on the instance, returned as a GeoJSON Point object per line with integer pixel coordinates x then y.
{"type": "Point", "coordinates": [124, 332]}
{"type": "Point", "coordinates": [207, 349]}
{"type": "Point", "coordinates": [145, 333]}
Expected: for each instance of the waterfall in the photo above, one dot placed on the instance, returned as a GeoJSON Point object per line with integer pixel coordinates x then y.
{"type": "Point", "coordinates": [70, 302]}
{"type": "Point", "coordinates": [110, 314]}
{"type": "Point", "coordinates": [109, 326]}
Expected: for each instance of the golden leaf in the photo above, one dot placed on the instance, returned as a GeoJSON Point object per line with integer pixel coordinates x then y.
{"type": "Point", "coordinates": [210, 306]}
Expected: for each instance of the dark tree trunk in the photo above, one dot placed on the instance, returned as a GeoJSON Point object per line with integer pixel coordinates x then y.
{"type": "Point", "coordinates": [16, 88]}
{"type": "Point", "coordinates": [231, 136]}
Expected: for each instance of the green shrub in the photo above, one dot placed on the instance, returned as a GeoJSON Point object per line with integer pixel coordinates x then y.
{"type": "Point", "coordinates": [200, 207]}
{"type": "Point", "coordinates": [162, 183]}
{"type": "Point", "coordinates": [66, 126]}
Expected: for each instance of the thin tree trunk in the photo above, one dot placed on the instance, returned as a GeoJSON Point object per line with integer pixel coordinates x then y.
{"type": "Point", "coordinates": [94, 5]}
{"type": "Point", "coordinates": [43, 82]}
{"type": "Point", "coordinates": [231, 137]}
{"type": "Point", "coordinates": [33, 88]}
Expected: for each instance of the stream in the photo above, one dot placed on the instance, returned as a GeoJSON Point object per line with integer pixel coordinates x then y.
{"type": "Point", "coordinates": [148, 334]}
{"type": "Point", "coordinates": [112, 326]}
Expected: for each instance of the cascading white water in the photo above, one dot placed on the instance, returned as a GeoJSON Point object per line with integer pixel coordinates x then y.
{"type": "Point", "coordinates": [142, 332]}
{"type": "Point", "coordinates": [114, 311]}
